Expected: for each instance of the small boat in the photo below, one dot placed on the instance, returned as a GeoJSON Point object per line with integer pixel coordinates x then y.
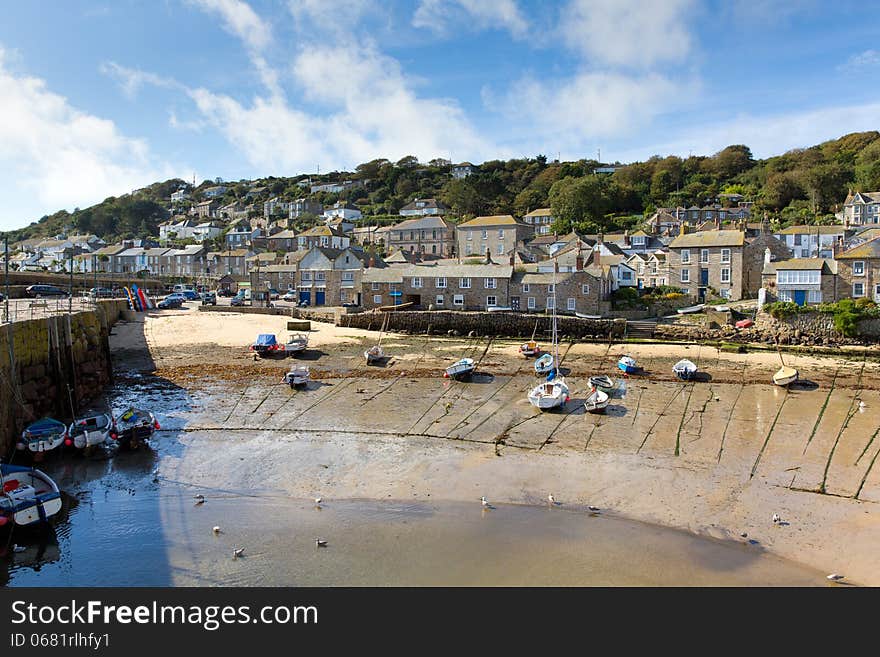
{"type": "Point", "coordinates": [583, 316]}
{"type": "Point", "coordinates": [544, 364]}
{"type": "Point", "coordinates": [722, 309]}
{"type": "Point", "coordinates": [602, 382]}
{"type": "Point", "coordinates": [684, 369]}
{"type": "Point", "coordinates": [498, 309]}
{"type": "Point", "coordinates": [530, 348]}
{"type": "Point", "coordinates": [374, 354]}
{"type": "Point", "coordinates": [627, 364]}
{"type": "Point", "coordinates": [691, 309]}
{"type": "Point", "coordinates": [549, 394]}
{"type": "Point", "coordinates": [744, 323]}
{"type": "Point", "coordinates": [266, 344]}
{"type": "Point", "coordinates": [90, 431]}
{"type": "Point", "coordinates": [42, 436]}
{"type": "Point", "coordinates": [297, 343]}
{"type": "Point", "coordinates": [27, 496]}
{"type": "Point", "coordinates": [785, 375]}
{"type": "Point", "coordinates": [134, 427]}
{"type": "Point", "coordinates": [297, 376]}
{"type": "Point", "coordinates": [461, 369]}
{"type": "Point", "coordinates": [597, 401]}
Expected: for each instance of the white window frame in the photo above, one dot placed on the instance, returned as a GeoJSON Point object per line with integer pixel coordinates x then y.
{"type": "Point", "coordinates": [491, 301]}
{"type": "Point", "coordinates": [416, 282]}
{"type": "Point", "coordinates": [530, 303]}
{"type": "Point", "coordinates": [438, 300]}
{"type": "Point", "coordinates": [525, 287]}
{"type": "Point", "coordinates": [457, 299]}
{"type": "Point", "coordinates": [469, 235]}
{"type": "Point", "coordinates": [685, 276]}
{"type": "Point", "coordinates": [858, 295]}
{"type": "Point", "coordinates": [348, 277]}
{"type": "Point", "coordinates": [468, 249]}
{"type": "Point", "coordinates": [685, 256]}
{"type": "Point", "coordinates": [725, 255]}
{"type": "Point", "coordinates": [571, 303]}
{"type": "Point", "coordinates": [858, 268]}
{"type": "Point", "coordinates": [484, 234]}
{"type": "Point", "coordinates": [464, 283]}
{"type": "Point", "coordinates": [441, 281]}
{"type": "Point", "coordinates": [585, 288]}
{"type": "Point", "coordinates": [306, 276]}
{"type": "Point", "coordinates": [491, 284]}
{"type": "Point", "coordinates": [725, 274]}
{"type": "Point", "coordinates": [500, 248]}
{"type": "Point", "coordinates": [704, 256]}
{"type": "Point", "coordinates": [320, 276]}
{"type": "Point", "coordinates": [377, 298]}
{"type": "Point", "coordinates": [551, 302]}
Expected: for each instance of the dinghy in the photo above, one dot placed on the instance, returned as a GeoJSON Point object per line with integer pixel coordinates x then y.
{"type": "Point", "coordinates": [42, 436]}
{"type": "Point", "coordinates": [785, 375]}
{"type": "Point", "coordinates": [744, 323]}
{"type": "Point", "coordinates": [627, 365]}
{"type": "Point", "coordinates": [374, 354]}
{"type": "Point", "coordinates": [27, 496]}
{"type": "Point", "coordinates": [134, 427]}
{"type": "Point", "coordinates": [90, 431]}
{"type": "Point", "coordinates": [529, 348]}
{"type": "Point", "coordinates": [602, 382]}
{"type": "Point", "coordinates": [297, 343]}
{"type": "Point", "coordinates": [583, 316]}
{"type": "Point", "coordinates": [297, 376]}
{"type": "Point", "coordinates": [684, 369]}
{"type": "Point", "coordinates": [549, 394]}
{"type": "Point", "coordinates": [691, 309]}
{"type": "Point", "coordinates": [597, 401]}
{"type": "Point", "coordinates": [544, 364]}
{"type": "Point", "coordinates": [461, 369]}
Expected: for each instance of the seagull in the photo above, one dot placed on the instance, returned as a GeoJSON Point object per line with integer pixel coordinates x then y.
{"type": "Point", "coordinates": [318, 500]}
{"type": "Point", "coordinates": [484, 501]}
{"type": "Point", "coordinates": [776, 518]}
{"type": "Point", "coordinates": [199, 497]}
{"type": "Point", "coordinates": [551, 499]}
{"type": "Point", "coordinates": [319, 542]}
{"type": "Point", "coordinates": [216, 529]}
{"type": "Point", "coordinates": [199, 502]}
{"type": "Point", "coordinates": [593, 508]}
{"type": "Point", "coordinates": [834, 577]}
{"type": "Point", "coordinates": [237, 552]}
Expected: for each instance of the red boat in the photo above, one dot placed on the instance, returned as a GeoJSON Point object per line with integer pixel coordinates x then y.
{"type": "Point", "coordinates": [744, 323]}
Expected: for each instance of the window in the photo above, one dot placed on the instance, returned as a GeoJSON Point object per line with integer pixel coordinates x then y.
{"type": "Point", "coordinates": [704, 255]}
{"type": "Point", "coordinates": [725, 255]}
{"type": "Point", "coordinates": [725, 293]}
{"type": "Point", "coordinates": [685, 256]}
{"type": "Point", "coordinates": [859, 268]}
{"type": "Point", "coordinates": [530, 303]}
{"type": "Point", "coordinates": [484, 234]}
{"type": "Point", "coordinates": [551, 289]}
{"type": "Point", "coordinates": [490, 283]}
{"type": "Point", "coordinates": [814, 296]}
{"type": "Point", "coordinates": [468, 249]}
{"type": "Point", "coordinates": [501, 233]}
{"type": "Point", "coordinates": [500, 248]}
{"type": "Point", "coordinates": [307, 276]}
{"type": "Point", "coordinates": [439, 300]}
{"type": "Point", "coordinates": [797, 240]}
{"type": "Point", "coordinates": [858, 289]}
{"type": "Point", "coordinates": [458, 300]}
{"type": "Point", "coordinates": [377, 298]}
{"type": "Point", "coordinates": [525, 287]}
{"type": "Point", "coordinates": [725, 275]}
{"type": "Point", "coordinates": [585, 288]}
{"type": "Point", "coordinates": [570, 304]}
{"type": "Point", "coordinates": [491, 301]}
{"type": "Point", "coordinates": [470, 235]}
{"type": "Point", "coordinates": [348, 276]}
{"type": "Point", "coordinates": [320, 276]}
{"type": "Point", "coordinates": [416, 281]}
{"type": "Point", "coordinates": [464, 283]}
{"type": "Point", "coordinates": [797, 276]}
{"type": "Point", "coordinates": [551, 302]}
{"type": "Point", "coordinates": [434, 249]}
{"type": "Point", "coordinates": [685, 275]}
{"type": "Point", "coordinates": [441, 281]}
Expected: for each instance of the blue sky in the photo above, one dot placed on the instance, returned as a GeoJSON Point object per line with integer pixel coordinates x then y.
{"type": "Point", "coordinates": [101, 97]}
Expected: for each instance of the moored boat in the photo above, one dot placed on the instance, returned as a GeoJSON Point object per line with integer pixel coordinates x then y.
{"type": "Point", "coordinates": [42, 436]}
{"type": "Point", "coordinates": [298, 342]}
{"type": "Point", "coordinates": [27, 496]}
{"type": "Point", "coordinates": [627, 365]}
{"type": "Point", "coordinates": [603, 382]}
{"type": "Point", "coordinates": [90, 431]}
{"type": "Point", "coordinates": [684, 369]}
{"type": "Point", "coordinates": [549, 394]}
{"type": "Point", "coordinates": [744, 323]}
{"type": "Point", "coordinates": [374, 354]}
{"type": "Point", "coordinates": [596, 401]}
{"type": "Point", "coordinates": [691, 309]}
{"type": "Point", "coordinates": [135, 427]}
{"type": "Point", "coordinates": [460, 369]}
{"type": "Point", "coordinates": [544, 364]}
{"type": "Point", "coordinates": [583, 316]}
{"type": "Point", "coordinates": [297, 376]}
{"type": "Point", "coordinates": [529, 348]}
{"type": "Point", "coordinates": [266, 344]}
{"type": "Point", "coordinates": [785, 375]}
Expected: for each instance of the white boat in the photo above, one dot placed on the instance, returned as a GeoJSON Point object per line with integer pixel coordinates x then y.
{"type": "Point", "coordinates": [460, 369]}
{"type": "Point", "coordinates": [530, 348]}
{"type": "Point", "coordinates": [627, 364]}
{"type": "Point", "coordinates": [597, 401]}
{"type": "Point", "coordinates": [583, 316]}
{"type": "Point", "coordinates": [722, 309]}
{"type": "Point", "coordinates": [684, 369]}
{"type": "Point", "coordinates": [603, 382]}
{"type": "Point", "coordinates": [549, 394]}
{"type": "Point", "coordinates": [42, 436]}
{"type": "Point", "coordinates": [91, 431]}
{"type": "Point", "coordinates": [296, 343]}
{"type": "Point", "coordinates": [498, 309]}
{"type": "Point", "coordinates": [374, 354]}
{"type": "Point", "coordinates": [134, 427]}
{"type": "Point", "coordinates": [27, 496]}
{"type": "Point", "coordinates": [544, 364]}
{"type": "Point", "coordinates": [691, 309]}
{"type": "Point", "coordinates": [785, 375]}
{"type": "Point", "coordinates": [297, 376]}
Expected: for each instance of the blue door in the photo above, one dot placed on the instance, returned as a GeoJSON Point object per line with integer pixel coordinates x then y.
{"type": "Point", "coordinates": [305, 296]}
{"type": "Point", "coordinates": [319, 297]}
{"type": "Point", "coordinates": [800, 297]}
{"type": "Point", "coordinates": [704, 277]}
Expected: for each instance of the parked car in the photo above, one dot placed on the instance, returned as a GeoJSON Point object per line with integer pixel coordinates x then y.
{"type": "Point", "coordinates": [209, 299]}
{"type": "Point", "coordinates": [174, 300]}
{"type": "Point", "coordinates": [290, 295]}
{"type": "Point", "coordinates": [101, 293]}
{"type": "Point", "coordinates": [38, 291]}
{"type": "Point", "coordinates": [225, 292]}
{"type": "Point", "coordinates": [191, 295]}
{"type": "Point", "coordinates": [237, 300]}
{"type": "Point", "coordinates": [273, 294]}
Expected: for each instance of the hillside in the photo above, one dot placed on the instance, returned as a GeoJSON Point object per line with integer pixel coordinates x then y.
{"type": "Point", "coordinates": [802, 185]}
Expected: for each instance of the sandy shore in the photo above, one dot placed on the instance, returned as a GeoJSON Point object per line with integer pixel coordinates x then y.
{"type": "Point", "coordinates": [717, 457]}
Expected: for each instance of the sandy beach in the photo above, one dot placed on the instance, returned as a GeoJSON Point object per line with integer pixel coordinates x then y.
{"type": "Point", "coordinates": [717, 457]}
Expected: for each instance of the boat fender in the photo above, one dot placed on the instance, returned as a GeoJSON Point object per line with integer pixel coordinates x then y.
{"type": "Point", "coordinates": [3, 520]}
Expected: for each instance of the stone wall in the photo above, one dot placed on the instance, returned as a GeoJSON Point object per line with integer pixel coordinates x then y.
{"type": "Point", "coordinates": [505, 324]}
{"type": "Point", "coordinates": [20, 280]}
{"type": "Point", "coordinates": [48, 364]}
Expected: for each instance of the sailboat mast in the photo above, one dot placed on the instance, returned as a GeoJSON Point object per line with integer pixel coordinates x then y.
{"type": "Point", "coordinates": [555, 341]}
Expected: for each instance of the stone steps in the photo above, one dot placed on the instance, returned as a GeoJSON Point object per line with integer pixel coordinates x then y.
{"type": "Point", "coordinates": [643, 329]}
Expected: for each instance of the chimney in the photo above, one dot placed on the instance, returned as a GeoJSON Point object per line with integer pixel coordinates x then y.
{"type": "Point", "coordinates": [626, 238]}
{"type": "Point", "coordinates": [717, 222]}
{"type": "Point", "coordinates": [372, 261]}
{"type": "Point", "coordinates": [579, 260]}
{"type": "Point", "coordinates": [597, 253]}
{"type": "Point", "coordinates": [512, 258]}
{"type": "Point", "coordinates": [683, 228]}
{"type": "Point", "coordinates": [599, 238]}
{"type": "Point", "coordinates": [836, 248]}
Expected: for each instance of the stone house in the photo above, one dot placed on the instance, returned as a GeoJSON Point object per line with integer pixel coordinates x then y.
{"type": "Point", "coordinates": [541, 219]}
{"type": "Point", "coordinates": [302, 206]}
{"type": "Point", "coordinates": [381, 287]}
{"type": "Point", "coordinates": [328, 277]}
{"type": "Point", "coordinates": [457, 287]}
{"type": "Point", "coordinates": [423, 207]}
{"type": "Point", "coordinates": [804, 281]}
{"type": "Point", "coordinates": [430, 235]}
{"type": "Point", "coordinates": [859, 271]}
{"type": "Point", "coordinates": [577, 291]}
{"type": "Point", "coordinates": [284, 240]}
{"type": "Point", "coordinates": [657, 269]}
{"type": "Point", "coordinates": [754, 257]}
{"type": "Point", "coordinates": [323, 236]}
{"type": "Point", "coordinates": [861, 209]}
{"type": "Point", "coordinates": [207, 208]}
{"type": "Point", "coordinates": [710, 260]}
{"type": "Point", "coordinates": [230, 261]}
{"type": "Point", "coordinates": [498, 234]}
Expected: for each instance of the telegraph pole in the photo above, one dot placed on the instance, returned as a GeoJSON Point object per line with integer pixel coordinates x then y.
{"type": "Point", "coordinates": [6, 266]}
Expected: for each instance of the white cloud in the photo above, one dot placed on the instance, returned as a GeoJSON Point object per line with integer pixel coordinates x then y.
{"type": "Point", "coordinates": [633, 33]}
{"type": "Point", "coordinates": [61, 156]}
{"type": "Point", "coordinates": [241, 20]}
{"type": "Point", "coordinates": [131, 80]}
{"type": "Point", "coordinates": [440, 16]}
{"type": "Point", "coordinates": [864, 59]}
{"type": "Point", "coordinates": [336, 16]}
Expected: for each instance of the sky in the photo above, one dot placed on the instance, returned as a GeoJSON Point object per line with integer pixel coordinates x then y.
{"type": "Point", "coordinates": [100, 97]}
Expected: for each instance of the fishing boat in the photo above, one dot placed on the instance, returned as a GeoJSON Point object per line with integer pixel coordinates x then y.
{"type": "Point", "coordinates": [785, 375]}
{"type": "Point", "coordinates": [691, 309]}
{"type": "Point", "coordinates": [627, 365]}
{"type": "Point", "coordinates": [42, 436]}
{"type": "Point", "coordinates": [544, 364]}
{"type": "Point", "coordinates": [135, 427]}
{"type": "Point", "coordinates": [603, 382]}
{"type": "Point", "coordinates": [297, 376]}
{"type": "Point", "coordinates": [529, 348]}
{"type": "Point", "coordinates": [27, 496]}
{"type": "Point", "coordinates": [90, 431]}
{"type": "Point", "coordinates": [549, 394]}
{"type": "Point", "coordinates": [597, 401]}
{"type": "Point", "coordinates": [498, 309]}
{"type": "Point", "coordinates": [266, 344]}
{"type": "Point", "coordinates": [684, 369]}
{"type": "Point", "coordinates": [460, 369]}
{"type": "Point", "coordinates": [583, 316]}
{"type": "Point", "coordinates": [298, 342]}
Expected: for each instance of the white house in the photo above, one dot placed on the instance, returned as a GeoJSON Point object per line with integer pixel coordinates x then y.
{"type": "Point", "coordinates": [343, 210]}
{"type": "Point", "coordinates": [812, 241]}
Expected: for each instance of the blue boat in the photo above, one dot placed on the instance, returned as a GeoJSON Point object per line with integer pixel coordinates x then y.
{"type": "Point", "coordinates": [544, 364]}
{"type": "Point", "coordinates": [42, 436]}
{"type": "Point", "coordinates": [27, 496]}
{"type": "Point", "coordinates": [627, 365]}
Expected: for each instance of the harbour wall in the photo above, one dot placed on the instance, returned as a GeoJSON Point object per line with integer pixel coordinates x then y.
{"type": "Point", "coordinates": [53, 366]}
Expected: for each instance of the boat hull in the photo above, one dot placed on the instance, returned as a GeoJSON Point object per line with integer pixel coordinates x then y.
{"type": "Point", "coordinates": [627, 369]}
{"type": "Point", "coordinates": [29, 497]}
{"type": "Point", "coordinates": [684, 370]}
{"type": "Point", "coordinates": [91, 431]}
{"type": "Point", "coordinates": [785, 380]}
{"type": "Point", "coordinates": [42, 436]}
{"type": "Point", "coordinates": [544, 364]}
{"type": "Point", "coordinates": [603, 383]}
{"type": "Point", "coordinates": [547, 396]}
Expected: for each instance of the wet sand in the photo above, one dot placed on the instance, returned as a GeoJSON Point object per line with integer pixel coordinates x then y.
{"type": "Point", "coordinates": [715, 458]}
